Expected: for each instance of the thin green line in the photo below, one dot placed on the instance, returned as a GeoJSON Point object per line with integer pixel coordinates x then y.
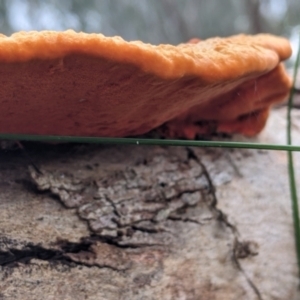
{"type": "Point", "coordinates": [291, 171]}
{"type": "Point", "coordinates": [143, 141]}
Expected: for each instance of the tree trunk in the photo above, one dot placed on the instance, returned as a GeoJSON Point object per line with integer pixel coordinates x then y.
{"type": "Point", "coordinates": [252, 9]}
{"type": "Point", "coordinates": [137, 222]}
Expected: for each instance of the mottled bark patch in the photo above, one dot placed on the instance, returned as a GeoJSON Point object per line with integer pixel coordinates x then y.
{"type": "Point", "coordinates": [133, 206]}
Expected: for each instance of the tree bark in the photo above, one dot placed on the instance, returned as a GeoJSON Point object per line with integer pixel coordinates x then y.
{"type": "Point", "coordinates": [137, 222]}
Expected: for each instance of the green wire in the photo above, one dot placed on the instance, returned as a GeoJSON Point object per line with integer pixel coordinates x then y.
{"type": "Point", "coordinates": [291, 171]}
{"type": "Point", "coordinates": [142, 141]}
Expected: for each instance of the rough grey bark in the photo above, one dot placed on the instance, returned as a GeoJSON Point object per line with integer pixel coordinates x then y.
{"type": "Point", "coordinates": [135, 222]}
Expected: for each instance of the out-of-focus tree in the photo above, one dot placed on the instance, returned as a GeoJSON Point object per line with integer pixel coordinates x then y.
{"type": "Point", "coordinates": [157, 21]}
{"type": "Point", "coordinates": [5, 26]}
{"type": "Point", "coordinates": [254, 15]}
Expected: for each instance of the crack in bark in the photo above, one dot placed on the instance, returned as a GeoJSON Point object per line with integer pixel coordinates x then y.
{"type": "Point", "coordinates": [12, 256]}
{"type": "Point", "coordinates": [223, 219]}
{"type": "Point", "coordinates": [185, 220]}
{"type": "Point", "coordinates": [240, 268]}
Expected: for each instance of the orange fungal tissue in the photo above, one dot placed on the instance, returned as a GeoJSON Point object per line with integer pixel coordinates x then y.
{"type": "Point", "coordinates": [78, 84]}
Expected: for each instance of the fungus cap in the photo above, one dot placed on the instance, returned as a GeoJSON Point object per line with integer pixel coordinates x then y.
{"type": "Point", "coordinates": [68, 83]}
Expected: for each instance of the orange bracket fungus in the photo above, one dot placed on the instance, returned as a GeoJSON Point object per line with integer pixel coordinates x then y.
{"type": "Point", "coordinates": [68, 83]}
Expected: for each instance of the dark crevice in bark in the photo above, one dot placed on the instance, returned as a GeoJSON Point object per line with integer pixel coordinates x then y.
{"type": "Point", "coordinates": [185, 220]}
{"type": "Point", "coordinates": [114, 242]}
{"type": "Point", "coordinates": [145, 229]}
{"type": "Point", "coordinates": [222, 218]}
{"type": "Point", "coordinates": [13, 256]}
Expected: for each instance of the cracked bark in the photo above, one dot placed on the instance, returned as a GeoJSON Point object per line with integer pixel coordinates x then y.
{"type": "Point", "coordinates": [129, 222]}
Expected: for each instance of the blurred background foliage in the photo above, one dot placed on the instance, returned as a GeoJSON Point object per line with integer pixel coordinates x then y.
{"type": "Point", "coordinates": [155, 21]}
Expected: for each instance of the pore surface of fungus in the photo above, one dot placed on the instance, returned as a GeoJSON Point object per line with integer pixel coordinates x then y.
{"type": "Point", "coordinates": [68, 83]}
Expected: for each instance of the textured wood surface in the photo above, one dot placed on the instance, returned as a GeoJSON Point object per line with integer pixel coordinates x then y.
{"type": "Point", "coordinates": [135, 222]}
